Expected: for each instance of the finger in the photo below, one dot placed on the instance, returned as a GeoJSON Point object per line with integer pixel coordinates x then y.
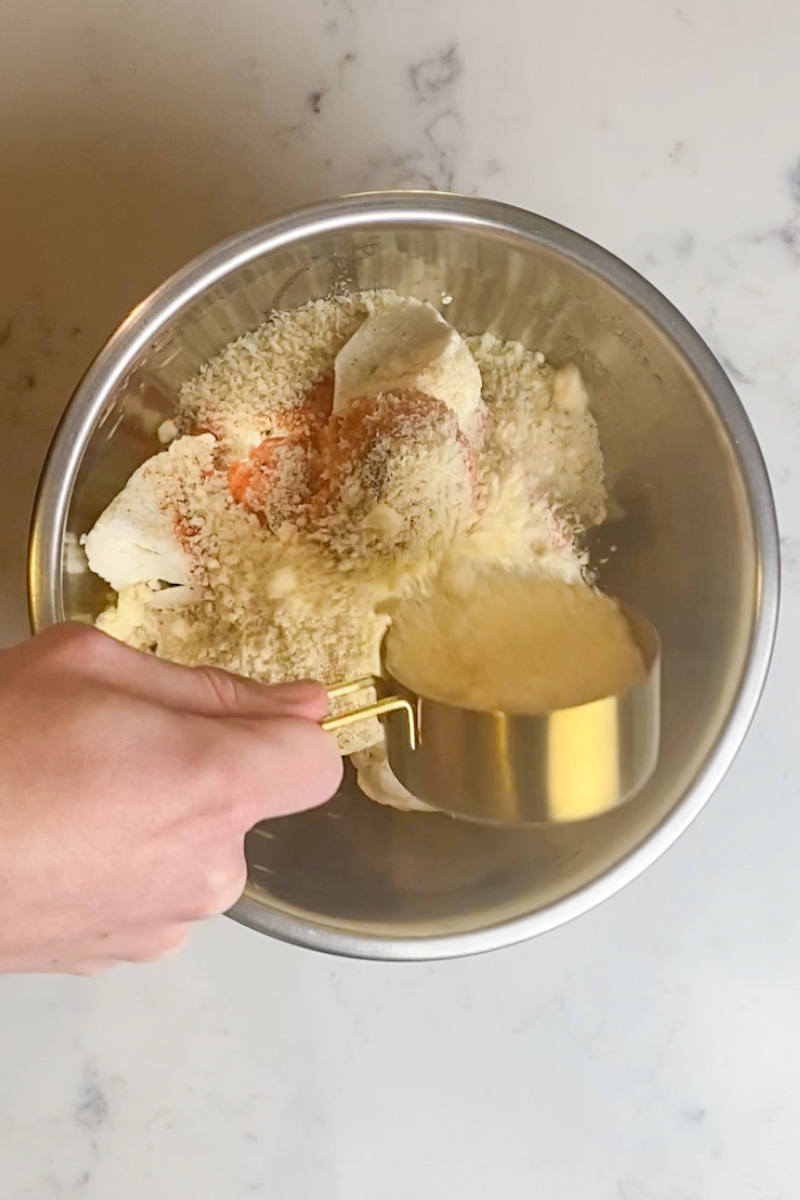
{"type": "Point", "coordinates": [88, 968]}
{"type": "Point", "coordinates": [214, 692]}
{"type": "Point", "coordinates": [283, 766]}
{"type": "Point", "coordinates": [154, 945]}
{"type": "Point", "coordinates": [222, 884]}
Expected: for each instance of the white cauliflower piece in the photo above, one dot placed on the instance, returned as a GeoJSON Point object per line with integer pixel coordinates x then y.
{"type": "Point", "coordinates": [135, 539]}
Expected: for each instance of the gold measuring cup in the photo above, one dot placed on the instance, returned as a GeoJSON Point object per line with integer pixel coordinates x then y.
{"type": "Point", "coordinates": [517, 768]}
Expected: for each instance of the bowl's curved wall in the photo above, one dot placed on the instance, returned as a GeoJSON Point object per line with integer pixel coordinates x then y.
{"type": "Point", "coordinates": [694, 547]}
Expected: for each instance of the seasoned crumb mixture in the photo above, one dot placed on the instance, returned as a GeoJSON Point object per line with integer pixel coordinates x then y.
{"type": "Point", "coordinates": [289, 513]}
{"type": "Point", "coordinates": [257, 386]}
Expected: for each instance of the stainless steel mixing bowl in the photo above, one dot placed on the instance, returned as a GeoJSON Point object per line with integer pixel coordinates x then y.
{"type": "Point", "coordinates": [694, 527]}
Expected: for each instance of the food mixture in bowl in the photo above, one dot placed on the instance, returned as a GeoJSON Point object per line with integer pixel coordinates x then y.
{"type": "Point", "coordinates": [343, 457]}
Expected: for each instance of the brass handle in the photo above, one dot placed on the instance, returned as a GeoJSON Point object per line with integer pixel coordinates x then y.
{"type": "Point", "coordinates": [347, 689]}
{"type": "Point", "coordinates": [380, 708]}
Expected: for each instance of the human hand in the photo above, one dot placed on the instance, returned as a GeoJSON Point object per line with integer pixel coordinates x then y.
{"type": "Point", "coordinates": [127, 785]}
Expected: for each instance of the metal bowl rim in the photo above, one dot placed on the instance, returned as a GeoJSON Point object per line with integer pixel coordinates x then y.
{"type": "Point", "coordinates": [378, 209]}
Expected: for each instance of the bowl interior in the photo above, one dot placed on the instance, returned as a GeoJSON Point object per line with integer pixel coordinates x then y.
{"type": "Point", "coordinates": [681, 548]}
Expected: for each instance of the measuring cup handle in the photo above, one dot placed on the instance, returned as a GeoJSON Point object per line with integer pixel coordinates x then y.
{"type": "Point", "coordinates": [380, 708]}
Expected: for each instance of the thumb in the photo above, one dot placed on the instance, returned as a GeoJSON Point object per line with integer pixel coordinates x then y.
{"type": "Point", "coordinates": [212, 692]}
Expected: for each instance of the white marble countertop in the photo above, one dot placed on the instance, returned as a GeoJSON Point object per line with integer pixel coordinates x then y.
{"type": "Point", "coordinates": [651, 1050]}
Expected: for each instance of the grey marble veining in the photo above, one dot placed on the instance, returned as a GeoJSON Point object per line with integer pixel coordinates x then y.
{"type": "Point", "coordinates": [648, 1052]}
